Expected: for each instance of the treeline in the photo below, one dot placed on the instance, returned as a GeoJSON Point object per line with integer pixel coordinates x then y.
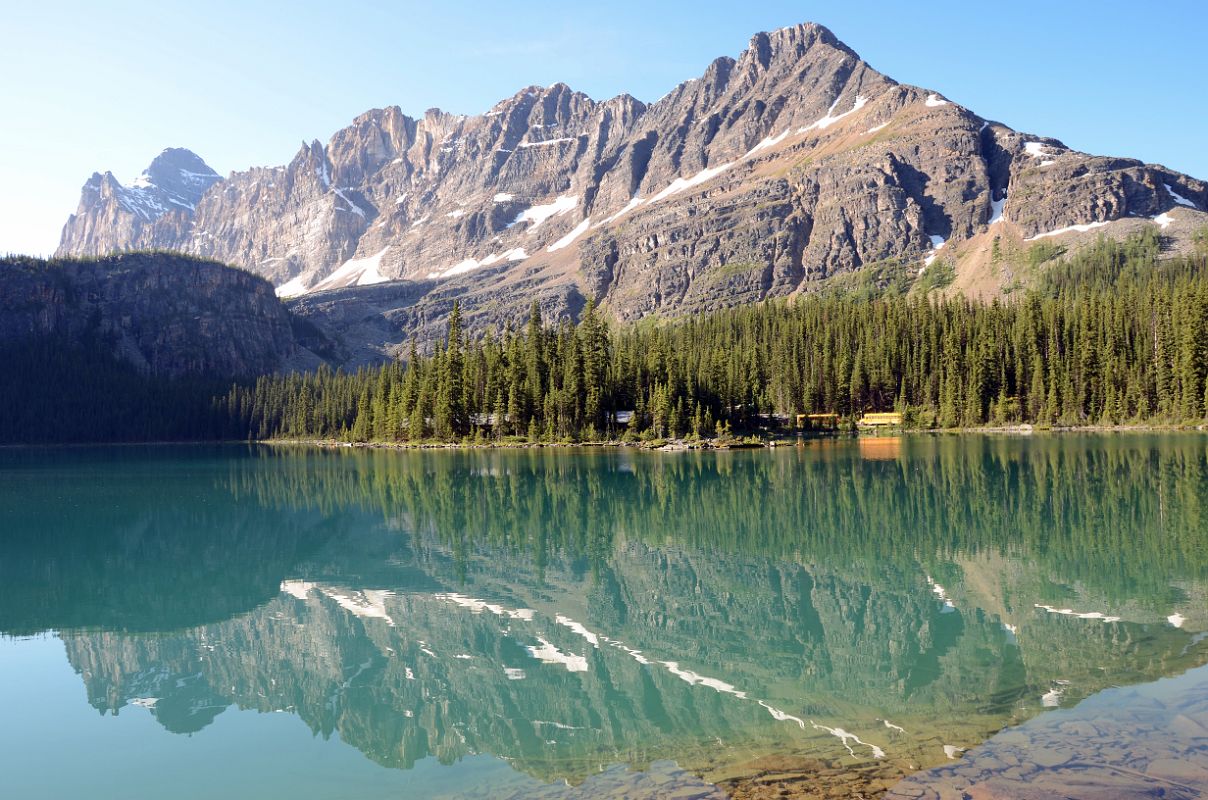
{"type": "Point", "coordinates": [1110, 336]}
{"type": "Point", "coordinates": [55, 390]}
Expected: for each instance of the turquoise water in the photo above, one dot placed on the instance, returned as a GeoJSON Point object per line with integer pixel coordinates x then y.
{"type": "Point", "coordinates": [250, 621]}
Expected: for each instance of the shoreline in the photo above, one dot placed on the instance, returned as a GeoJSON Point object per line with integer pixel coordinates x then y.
{"type": "Point", "coordinates": [658, 445]}
{"type": "Point", "coordinates": [748, 443]}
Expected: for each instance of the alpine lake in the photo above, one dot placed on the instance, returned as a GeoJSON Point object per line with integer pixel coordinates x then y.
{"type": "Point", "coordinates": [923, 616]}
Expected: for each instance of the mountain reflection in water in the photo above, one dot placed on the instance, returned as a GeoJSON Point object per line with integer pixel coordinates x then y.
{"type": "Point", "coordinates": [886, 601]}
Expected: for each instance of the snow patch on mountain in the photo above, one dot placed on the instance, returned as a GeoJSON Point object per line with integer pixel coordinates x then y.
{"type": "Point", "coordinates": [540, 213]}
{"type": "Point", "coordinates": [997, 207]}
{"type": "Point", "coordinates": [1039, 150]}
{"type": "Point", "coordinates": [292, 288]}
{"type": "Point", "coordinates": [768, 142]}
{"type": "Point", "coordinates": [1178, 198]}
{"type": "Point", "coordinates": [680, 184]}
{"type": "Point", "coordinates": [566, 240]}
{"type": "Point", "coordinates": [355, 272]}
{"type": "Point", "coordinates": [630, 206]}
{"type": "Point", "coordinates": [352, 207]}
{"type": "Point", "coordinates": [546, 143]}
{"type": "Point", "coordinates": [1068, 229]}
{"type": "Point", "coordinates": [831, 117]}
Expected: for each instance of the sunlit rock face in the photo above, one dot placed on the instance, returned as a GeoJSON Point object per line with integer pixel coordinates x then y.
{"type": "Point", "coordinates": [769, 174]}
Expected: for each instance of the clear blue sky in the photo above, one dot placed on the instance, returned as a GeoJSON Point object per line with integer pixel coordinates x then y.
{"type": "Point", "coordinates": [90, 86]}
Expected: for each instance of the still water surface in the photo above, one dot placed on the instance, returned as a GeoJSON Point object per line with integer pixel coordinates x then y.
{"type": "Point", "coordinates": [304, 623]}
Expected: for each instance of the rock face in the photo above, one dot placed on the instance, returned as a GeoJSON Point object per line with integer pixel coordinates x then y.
{"type": "Point", "coordinates": [169, 315]}
{"type": "Point", "coordinates": [765, 176]}
{"type": "Point", "coordinates": [116, 217]}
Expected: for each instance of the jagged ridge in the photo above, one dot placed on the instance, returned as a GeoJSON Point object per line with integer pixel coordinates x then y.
{"type": "Point", "coordinates": [765, 176]}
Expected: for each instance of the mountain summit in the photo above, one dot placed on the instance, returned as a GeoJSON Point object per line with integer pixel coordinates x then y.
{"type": "Point", "coordinates": [767, 175]}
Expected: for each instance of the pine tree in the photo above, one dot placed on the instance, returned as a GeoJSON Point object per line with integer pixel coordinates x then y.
{"type": "Point", "coordinates": [450, 411]}
{"type": "Point", "coordinates": [362, 427]}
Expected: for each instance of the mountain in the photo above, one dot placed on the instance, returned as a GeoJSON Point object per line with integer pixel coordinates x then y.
{"type": "Point", "coordinates": [166, 315]}
{"type": "Point", "coordinates": [766, 176]}
{"type": "Point", "coordinates": [116, 217]}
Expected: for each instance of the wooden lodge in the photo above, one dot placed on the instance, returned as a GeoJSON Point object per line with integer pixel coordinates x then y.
{"type": "Point", "coordinates": [817, 422]}
{"type": "Point", "coordinates": [885, 419]}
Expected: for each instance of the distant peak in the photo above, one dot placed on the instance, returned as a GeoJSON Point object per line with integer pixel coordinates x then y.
{"type": "Point", "coordinates": [793, 41]}
{"type": "Point", "coordinates": [805, 31]}
{"type": "Point", "coordinates": [179, 158]}
{"type": "Point", "coordinates": [626, 100]}
{"type": "Point", "coordinates": [377, 115]}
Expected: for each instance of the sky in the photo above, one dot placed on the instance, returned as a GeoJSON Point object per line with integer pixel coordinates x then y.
{"type": "Point", "coordinates": [93, 86]}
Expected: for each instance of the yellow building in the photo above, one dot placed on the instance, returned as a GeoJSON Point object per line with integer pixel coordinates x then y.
{"type": "Point", "coordinates": [880, 420]}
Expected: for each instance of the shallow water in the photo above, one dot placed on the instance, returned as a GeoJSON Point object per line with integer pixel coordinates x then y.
{"type": "Point", "coordinates": [255, 622]}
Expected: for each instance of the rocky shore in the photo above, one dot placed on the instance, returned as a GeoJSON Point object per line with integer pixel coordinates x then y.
{"type": "Point", "coordinates": [734, 443]}
{"type": "Point", "coordinates": [1143, 741]}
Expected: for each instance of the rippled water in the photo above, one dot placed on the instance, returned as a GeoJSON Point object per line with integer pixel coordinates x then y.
{"type": "Point", "coordinates": [255, 621]}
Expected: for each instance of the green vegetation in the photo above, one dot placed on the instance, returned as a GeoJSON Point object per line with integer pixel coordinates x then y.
{"type": "Point", "coordinates": [72, 387]}
{"type": "Point", "coordinates": [1108, 263]}
{"type": "Point", "coordinates": [1200, 238]}
{"type": "Point", "coordinates": [1043, 252]}
{"type": "Point", "coordinates": [1110, 336]}
{"type": "Point", "coordinates": [876, 279]}
{"type": "Point", "coordinates": [937, 276]}
{"type": "Point", "coordinates": [55, 265]}
{"type": "Point", "coordinates": [734, 269]}
{"type": "Point", "coordinates": [52, 391]}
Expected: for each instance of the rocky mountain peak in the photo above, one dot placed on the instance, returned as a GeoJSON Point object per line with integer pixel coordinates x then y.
{"type": "Point", "coordinates": [168, 165]}
{"type": "Point", "coordinates": [172, 184]}
{"type": "Point", "coordinates": [765, 176]}
{"type": "Point", "coordinates": [102, 184]}
{"type": "Point", "coordinates": [802, 35]}
{"type": "Point", "coordinates": [180, 177]}
{"type": "Point", "coordinates": [789, 46]}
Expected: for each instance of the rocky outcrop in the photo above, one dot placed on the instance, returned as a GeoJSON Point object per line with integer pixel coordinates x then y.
{"type": "Point", "coordinates": [166, 314]}
{"type": "Point", "coordinates": [1145, 741]}
{"type": "Point", "coordinates": [115, 217]}
{"type": "Point", "coordinates": [766, 176]}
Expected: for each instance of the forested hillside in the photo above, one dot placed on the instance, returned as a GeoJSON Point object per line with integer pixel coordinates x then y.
{"type": "Point", "coordinates": [53, 390]}
{"type": "Point", "coordinates": [131, 347]}
{"type": "Point", "coordinates": [1110, 336]}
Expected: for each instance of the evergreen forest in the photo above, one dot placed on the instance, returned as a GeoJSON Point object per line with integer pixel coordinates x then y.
{"type": "Point", "coordinates": [1113, 335]}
